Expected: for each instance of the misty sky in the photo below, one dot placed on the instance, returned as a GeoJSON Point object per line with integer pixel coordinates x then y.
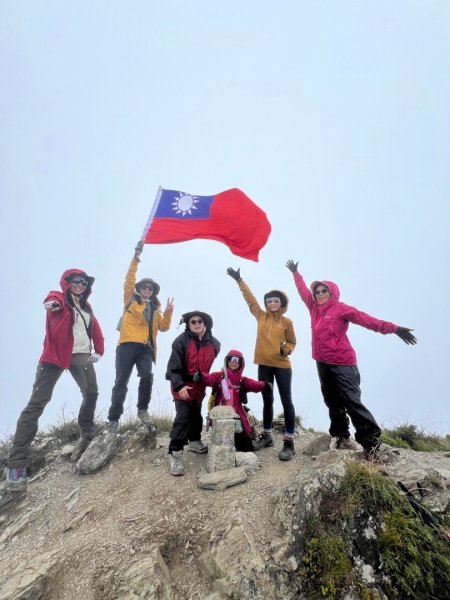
{"type": "Point", "coordinates": [332, 116]}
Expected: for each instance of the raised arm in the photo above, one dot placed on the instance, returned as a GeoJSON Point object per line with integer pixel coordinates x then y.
{"type": "Point", "coordinates": [302, 288]}
{"type": "Point", "coordinates": [252, 302]}
{"type": "Point", "coordinates": [130, 278]}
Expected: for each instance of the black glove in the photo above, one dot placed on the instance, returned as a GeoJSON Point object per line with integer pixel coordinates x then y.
{"type": "Point", "coordinates": [292, 266]}
{"type": "Point", "coordinates": [236, 275]}
{"type": "Point", "coordinates": [197, 377]}
{"type": "Point", "coordinates": [405, 334]}
{"type": "Point", "coordinates": [138, 250]}
{"type": "Point", "coordinates": [269, 385]}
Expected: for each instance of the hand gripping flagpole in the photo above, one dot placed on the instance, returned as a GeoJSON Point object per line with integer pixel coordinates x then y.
{"type": "Point", "coordinates": [152, 213]}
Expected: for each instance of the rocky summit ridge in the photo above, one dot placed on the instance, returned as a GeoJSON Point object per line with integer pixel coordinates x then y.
{"type": "Point", "coordinates": [131, 531]}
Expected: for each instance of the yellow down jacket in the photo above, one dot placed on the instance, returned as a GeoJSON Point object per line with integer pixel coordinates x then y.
{"type": "Point", "coordinates": [134, 326]}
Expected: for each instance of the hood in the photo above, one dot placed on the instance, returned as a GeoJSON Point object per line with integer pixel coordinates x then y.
{"type": "Point", "coordinates": [64, 282]}
{"type": "Point", "coordinates": [207, 319]}
{"type": "Point", "coordinates": [278, 294]}
{"type": "Point", "coordinates": [234, 353]}
{"type": "Point", "coordinates": [334, 290]}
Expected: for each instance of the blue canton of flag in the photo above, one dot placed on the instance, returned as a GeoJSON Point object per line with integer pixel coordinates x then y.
{"type": "Point", "coordinates": [178, 205]}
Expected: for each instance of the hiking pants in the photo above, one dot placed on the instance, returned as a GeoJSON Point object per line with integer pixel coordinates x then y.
{"type": "Point", "coordinates": [187, 426]}
{"type": "Point", "coordinates": [342, 394]}
{"type": "Point", "coordinates": [46, 377]}
{"type": "Point", "coordinates": [129, 354]}
{"type": "Point", "coordinates": [283, 377]}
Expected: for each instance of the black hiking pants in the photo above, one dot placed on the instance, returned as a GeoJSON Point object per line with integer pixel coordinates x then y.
{"type": "Point", "coordinates": [46, 377]}
{"type": "Point", "coordinates": [283, 377]}
{"type": "Point", "coordinates": [342, 394]}
{"type": "Point", "coordinates": [187, 425]}
{"type": "Point", "coordinates": [128, 355]}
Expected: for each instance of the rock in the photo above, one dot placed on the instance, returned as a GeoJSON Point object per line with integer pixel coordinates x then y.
{"type": "Point", "coordinates": [146, 579]}
{"type": "Point", "coordinates": [220, 458]}
{"type": "Point", "coordinates": [18, 524]}
{"type": "Point", "coordinates": [78, 450]}
{"type": "Point", "coordinates": [233, 562]}
{"type": "Point", "coordinates": [143, 438]}
{"type": "Point", "coordinates": [318, 445]}
{"type": "Point", "coordinates": [67, 450]}
{"type": "Point", "coordinates": [221, 450]}
{"type": "Point", "coordinates": [29, 580]}
{"type": "Point", "coordinates": [248, 460]}
{"type": "Point", "coordinates": [99, 452]}
{"type": "Point", "coordinates": [220, 480]}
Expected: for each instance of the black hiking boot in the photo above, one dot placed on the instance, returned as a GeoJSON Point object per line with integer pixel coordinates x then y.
{"type": "Point", "coordinates": [265, 440]}
{"type": "Point", "coordinates": [288, 450]}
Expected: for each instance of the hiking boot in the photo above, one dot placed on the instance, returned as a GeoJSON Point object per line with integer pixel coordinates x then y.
{"type": "Point", "coordinates": [176, 464]}
{"type": "Point", "coordinates": [345, 444]}
{"type": "Point", "coordinates": [265, 440]}
{"type": "Point", "coordinates": [198, 447]}
{"type": "Point", "coordinates": [288, 450]}
{"type": "Point", "coordinates": [144, 417]}
{"type": "Point", "coordinates": [113, 427]}
{"type": "Point", "coordinates": [373, 456]}
{"type": "Point", "coordinates": [16, 479]}
{"type": "Point", "coordinates": [90, 433]}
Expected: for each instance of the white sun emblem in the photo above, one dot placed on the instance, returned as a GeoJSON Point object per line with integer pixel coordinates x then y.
{"type": "Point", "coordinates": [185, 204]}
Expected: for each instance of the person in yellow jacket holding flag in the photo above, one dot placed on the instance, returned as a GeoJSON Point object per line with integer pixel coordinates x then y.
{"type": "Point", "coordinates": [142, 319]}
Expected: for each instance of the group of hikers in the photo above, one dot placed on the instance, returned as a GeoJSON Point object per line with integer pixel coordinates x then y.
{"type": "Point", "coordinates": [74, 341]}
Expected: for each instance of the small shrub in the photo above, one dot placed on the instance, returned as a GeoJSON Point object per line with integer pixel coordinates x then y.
{"type": "Point", "coordinates": [415, 438]}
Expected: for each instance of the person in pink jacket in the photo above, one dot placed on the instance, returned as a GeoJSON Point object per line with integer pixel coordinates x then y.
{"type": "Point", "coordinates": [336, 360]}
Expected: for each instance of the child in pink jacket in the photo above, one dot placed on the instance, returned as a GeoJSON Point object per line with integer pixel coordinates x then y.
{"type": "Point", "coordinates": [230, 388]}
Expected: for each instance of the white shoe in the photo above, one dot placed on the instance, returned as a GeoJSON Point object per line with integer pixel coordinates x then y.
{"type": "Point", "coordinates": [176, 464]}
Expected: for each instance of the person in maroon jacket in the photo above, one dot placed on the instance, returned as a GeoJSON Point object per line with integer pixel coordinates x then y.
{"type": "Point", "coordinates": [336, 361]}
{"type": "Point", "coordinates": [192, 351]}
{"type": "Point", "coordinates": [73, 341]}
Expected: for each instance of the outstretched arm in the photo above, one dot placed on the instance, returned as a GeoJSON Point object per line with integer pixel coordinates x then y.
{"type": "Point", "coordinates": [404, 333]}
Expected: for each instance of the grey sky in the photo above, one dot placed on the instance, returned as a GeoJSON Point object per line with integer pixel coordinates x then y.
{"type": "Point", "coordinates": [333, 117]}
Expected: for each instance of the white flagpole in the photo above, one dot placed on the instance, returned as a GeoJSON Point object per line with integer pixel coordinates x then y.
{"type": "Point", "coordinates": [152, 213]}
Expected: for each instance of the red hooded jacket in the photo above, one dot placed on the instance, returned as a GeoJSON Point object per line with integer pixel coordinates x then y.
{"type": "Point", "coordinates": [329, 324]}
{"type": "Point", "coordinates": [58, 341]}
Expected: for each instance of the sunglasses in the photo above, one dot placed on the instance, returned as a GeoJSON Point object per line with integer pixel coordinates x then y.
{"type": "Point", "coordinates": [195, 321]}
{"type": "Point", "coordinates": [321, 291]}
{"type": "Point", "coordinates": [234, 359]}
{"type": "Point", "coordinates": [146, 286]}
{"type": "Point", "coordinates": [273, 301]}
{"type": "Point", "coordinates": [77, 281]}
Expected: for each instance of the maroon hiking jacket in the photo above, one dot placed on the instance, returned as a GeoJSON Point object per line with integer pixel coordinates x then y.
{"type": "Point", "coordinates": [58, 342]}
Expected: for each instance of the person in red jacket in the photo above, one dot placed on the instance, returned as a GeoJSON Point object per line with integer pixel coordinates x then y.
{"type": "Point", "coordinates": [336, 360]}
{"type": "Point", "coordinates": [230, 388]}
{"type": "Point", "coordinates": [192, 351]}
{"type": "Point", "coordinates": [73, 341]}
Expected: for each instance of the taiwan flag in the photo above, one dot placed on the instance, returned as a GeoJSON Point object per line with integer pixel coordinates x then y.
{"type": "Point", "coordinates": [229, 217]}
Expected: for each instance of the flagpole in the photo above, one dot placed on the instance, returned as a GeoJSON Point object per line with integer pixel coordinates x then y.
{"type": "Point", "coordinates": [152, 213]}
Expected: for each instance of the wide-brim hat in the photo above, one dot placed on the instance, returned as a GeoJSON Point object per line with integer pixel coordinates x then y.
{"type": "Point", "coordinates": [149, 281]}
{"type": "Point", "coordinates": [207, 319]}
